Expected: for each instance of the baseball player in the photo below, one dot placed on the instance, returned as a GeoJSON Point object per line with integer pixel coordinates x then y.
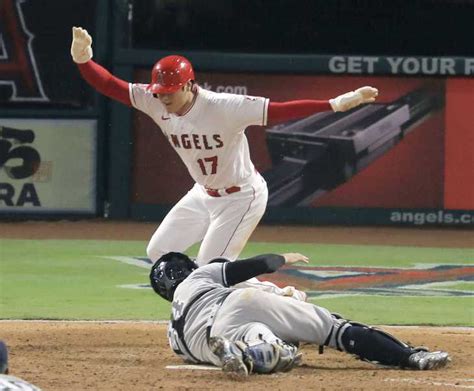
{"type": "Point", "coordinates": [3, 358]}
{"type": "Point", "coordinates": [10, 383]}
{"type": "Point", "coordinates": [206, 129]}
{"type": "Point", "coordinates": [249, 331]}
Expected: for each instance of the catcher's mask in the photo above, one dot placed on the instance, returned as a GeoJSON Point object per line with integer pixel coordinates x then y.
{"type": "Point", "coordinates": [168, 272]}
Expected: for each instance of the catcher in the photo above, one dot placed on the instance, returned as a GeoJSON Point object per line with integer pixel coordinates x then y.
{"type": "Point", "coordinates": [246, 331]}
{"type": "Point", "coordinates": [7, 382]}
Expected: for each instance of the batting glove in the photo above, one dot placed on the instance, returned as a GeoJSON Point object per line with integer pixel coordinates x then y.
{"type": "Point", "coordinates": [81, 49]}
{"type": "Point", "coordinates": [291, 291]}
{"type": "Point", "coordinates": [353, 99]}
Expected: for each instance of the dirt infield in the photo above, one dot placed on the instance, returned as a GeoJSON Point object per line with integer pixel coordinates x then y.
{"type": "Point", "coordinates": [125, 230]}
{"type": "Point", "coordinates": [134, 356]}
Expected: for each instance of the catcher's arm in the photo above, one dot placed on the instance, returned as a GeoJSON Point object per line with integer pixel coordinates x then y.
{"type": "Point", "coordinates": [96, 75]}
{"type": "Point", "coordinates": [244, 269]}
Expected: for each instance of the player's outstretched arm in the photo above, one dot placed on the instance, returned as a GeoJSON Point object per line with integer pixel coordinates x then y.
{"type": "Point", "coordinates": [352, 99]}
{"type": "Point", "coordinates": [96, 75]}
{"type": "Point", "coordinates": [279, 112]}
{"type": "Point", "coordinates": [291, 258]}
{"type": "Point", "coordinates": [244, 269]}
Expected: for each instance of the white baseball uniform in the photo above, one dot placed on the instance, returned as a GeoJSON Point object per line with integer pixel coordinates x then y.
{"type": "Point", "coordinates": [229, 198]}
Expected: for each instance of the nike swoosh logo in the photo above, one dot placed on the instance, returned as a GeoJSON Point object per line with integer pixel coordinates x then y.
{"type": "Point", "coordinates": [163, 118]}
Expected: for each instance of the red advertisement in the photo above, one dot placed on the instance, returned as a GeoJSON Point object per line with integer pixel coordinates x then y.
{"type": "Point", "coordinates": [410, 149]}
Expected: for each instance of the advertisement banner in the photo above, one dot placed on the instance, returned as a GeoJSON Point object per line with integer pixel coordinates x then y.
{"type": "Point", "coordinates": [411, 150]}
{"type": "Point", "coordinates": [47, 166]}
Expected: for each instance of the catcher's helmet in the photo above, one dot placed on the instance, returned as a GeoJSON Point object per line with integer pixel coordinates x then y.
{"type": "Point", "coordinates": [168, 272]}
{"type": "Point", "coordinates": [170, 74]}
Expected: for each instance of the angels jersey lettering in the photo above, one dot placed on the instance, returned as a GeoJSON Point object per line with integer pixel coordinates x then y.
{"type": "Point", "coordinates": [210, 137]}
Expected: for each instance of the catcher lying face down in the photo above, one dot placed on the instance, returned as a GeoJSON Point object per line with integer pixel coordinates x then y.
{"type": "Point", "coordinates": [247, 330]}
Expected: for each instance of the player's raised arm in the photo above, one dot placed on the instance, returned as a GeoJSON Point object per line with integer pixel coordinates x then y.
{"type": "Point", "coordinates": [244, 269]}
{"type": "Point", "coordinates": [352, 99]}
{"type": "Point", "coordinates": [279, 112]}
{"type": "Point", "coordinates": [96, 75]}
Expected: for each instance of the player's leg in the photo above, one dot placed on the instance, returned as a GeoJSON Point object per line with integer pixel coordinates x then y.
{"type": "Point", "coordinates": [291, 320]}
{"type": "Point", "coordinates": [233, 219]}
{"type": "Point", "coordinates": [295, 321]}
{"type": "Point", "coordinates": [252, 348]}
{"type": "Point", "coordinates": [378, 347]}
{"type": "Point", "coordinates": [184, 225]}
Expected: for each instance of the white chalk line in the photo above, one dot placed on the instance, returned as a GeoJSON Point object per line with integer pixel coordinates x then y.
{"type": "Point", "coordinates": [189, 366]}
{"type": "Point", "coordinates": [435, 383]}
{"type": "Point", "coordinates": [441, 328]}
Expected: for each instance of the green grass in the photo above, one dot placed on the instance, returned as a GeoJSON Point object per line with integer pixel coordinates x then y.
{"type": "Point", "coordinates": [452, 311]}
{"type": "Point", "coordinates": [67, 279]}
{"type": "Point", "coordinates": [71, 279]}
{"type": "Point", "coordinates": [460, 286]}
{"type": "Point", "coordinates": [369, 255]}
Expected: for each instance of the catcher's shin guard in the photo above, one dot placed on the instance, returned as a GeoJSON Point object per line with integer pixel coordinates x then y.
{"type": "Point", "coordinates": [376, 346]}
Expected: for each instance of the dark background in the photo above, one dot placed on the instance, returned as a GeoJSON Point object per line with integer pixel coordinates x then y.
{"type": "Point", "coordinates": [364, 27]}
{"type": "Point", "coordinates": [371, 27]}
{"type": "Point", "coordinates": [50, 22]}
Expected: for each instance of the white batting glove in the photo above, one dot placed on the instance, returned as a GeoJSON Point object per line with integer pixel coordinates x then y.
{"type": "Point", "coordinates": [81, 49]}
{"type": "Point", "coordinates": [353, 99]}
{"type": "Point", "coordinates": [291, 291]}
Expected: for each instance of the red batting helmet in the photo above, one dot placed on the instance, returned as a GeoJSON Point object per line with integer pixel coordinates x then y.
{"type": "Point", "coordinates": [170, 74]}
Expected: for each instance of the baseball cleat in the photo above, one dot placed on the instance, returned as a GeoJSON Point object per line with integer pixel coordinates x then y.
{"type": "Point", "coordinates": [230, 356]}
{"type": "Point", "coordinates": [424, 360]}
{"type": "Point", "coordinates": [288, 356]}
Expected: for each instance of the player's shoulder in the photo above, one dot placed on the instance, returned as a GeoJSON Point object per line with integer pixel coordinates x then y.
{"type": "Point", "coordinates": [140, 87]}
{"type": "Point", "coordinates": [220, 97]}
{"type": "Point", "coordinates": [143, 99]}
{"type": "Point", "coordinates": [215, 264]}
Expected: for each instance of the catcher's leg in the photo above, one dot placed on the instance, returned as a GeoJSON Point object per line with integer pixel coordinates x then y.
{"type": "Point", "coordinates": [296, 321]}
{"type": "Point", "coordinates": [254, 349]}
{"type": "Point", "coordinates": [379, 347]}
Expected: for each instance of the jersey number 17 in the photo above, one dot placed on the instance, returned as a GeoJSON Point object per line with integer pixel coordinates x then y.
{"type": "Point", "coordinates": [208, 165]}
